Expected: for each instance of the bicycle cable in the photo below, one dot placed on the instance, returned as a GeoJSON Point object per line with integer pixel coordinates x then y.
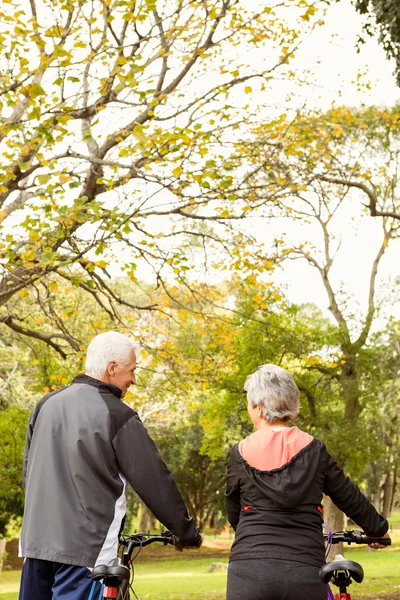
{"type": "Point", "coordinates": [328, 535]}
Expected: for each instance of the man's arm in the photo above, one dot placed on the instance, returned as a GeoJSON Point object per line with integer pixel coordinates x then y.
{"type": "Point", "coordinates": [149, 476]}
{"type": "Point", "coordinates": [28, 439]}
{"type": "Point", "coordinates": [232, 492]}
{"type": "Point", "coordinates": [29, 433]}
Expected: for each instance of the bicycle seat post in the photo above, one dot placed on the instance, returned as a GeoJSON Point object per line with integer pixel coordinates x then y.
{"type": "Point", "coordinates": [112, 577]}
{"type": "Point", "coordinates": [342, 581]}
{"type": "Point", "coordinates": [109, 592]}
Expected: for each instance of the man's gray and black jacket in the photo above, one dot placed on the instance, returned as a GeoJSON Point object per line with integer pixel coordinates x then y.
{"type": "Point", "coordinates": [83, 444]}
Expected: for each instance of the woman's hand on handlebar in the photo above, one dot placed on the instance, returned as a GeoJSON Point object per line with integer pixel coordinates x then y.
{"type": "Point", "coordinates": [377, 545]}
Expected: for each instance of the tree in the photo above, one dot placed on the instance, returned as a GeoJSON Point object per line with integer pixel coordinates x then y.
{"type": "Point", "coordinates": [13, 423]}
{"type": "Point", "coordinates": [200, 479]}
{"type": "Point", "coordinates": [113, 121]}
{"type": "Point", "coordinates": [382, 473]}
{"type": "Point", "coordinates": [355, 143]}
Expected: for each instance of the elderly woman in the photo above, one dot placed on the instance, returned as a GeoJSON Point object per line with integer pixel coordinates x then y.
{"type": "Point", "coordinates": [276, 478]}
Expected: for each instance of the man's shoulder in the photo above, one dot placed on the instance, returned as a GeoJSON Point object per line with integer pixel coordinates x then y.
{"type": "Point", "coordinates": [35, 412]}
{"type": "Point", "coordinates": [120, 413]}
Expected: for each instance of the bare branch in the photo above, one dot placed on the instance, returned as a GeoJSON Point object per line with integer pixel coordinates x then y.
{"type": "Point", "coordinates": [359, 343]}
{"type": "Point", "coordinates": [373, 199]}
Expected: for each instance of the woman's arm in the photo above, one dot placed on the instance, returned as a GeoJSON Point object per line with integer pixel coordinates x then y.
{"type": "Point", "coordinates": [348, 497]}
{"type": "Point", "coordinates": [232, 492]}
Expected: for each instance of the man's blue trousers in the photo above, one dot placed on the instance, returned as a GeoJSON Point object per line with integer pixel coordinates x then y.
{"type": "Point", "coordinates": [46, 580]}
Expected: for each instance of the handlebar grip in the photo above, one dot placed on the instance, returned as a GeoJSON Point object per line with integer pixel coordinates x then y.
{"type": "Point", "coordinates": [368, 540]}
{"type": "Point", "coordinates": [356, 537]}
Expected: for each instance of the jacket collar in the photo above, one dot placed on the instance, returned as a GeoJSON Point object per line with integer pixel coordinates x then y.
{"type": "Point", "coordinates": [100, 385]}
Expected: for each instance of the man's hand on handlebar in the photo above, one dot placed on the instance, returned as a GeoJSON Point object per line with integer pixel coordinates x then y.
{"type": "Point", "coordinates": [377, 545]}
{"type": "Point", "coordinates": [194, 545]}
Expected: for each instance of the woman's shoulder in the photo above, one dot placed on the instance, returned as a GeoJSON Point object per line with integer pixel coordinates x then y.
{"type": "Point", "coordinates": [269, 448]}
{"type": "Point", "coordinates": [266, 435]}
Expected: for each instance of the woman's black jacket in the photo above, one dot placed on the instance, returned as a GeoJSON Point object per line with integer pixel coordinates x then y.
{"type": "Point", "coordinates": [277, 513]}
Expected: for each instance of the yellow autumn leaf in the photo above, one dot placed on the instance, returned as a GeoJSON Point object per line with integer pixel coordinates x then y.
{"type": "Point", "coordinates": [53, 286]}
{"type": "Point", "coordinates": [33, 236]}
{"type": "Point", "coordinates": [101, 263]}
{"type": "Point", "coordinates": [177, 171]}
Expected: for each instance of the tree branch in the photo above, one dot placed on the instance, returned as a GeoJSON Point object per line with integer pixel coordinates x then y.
{"type": "Point", "coordinates": [44, 337]}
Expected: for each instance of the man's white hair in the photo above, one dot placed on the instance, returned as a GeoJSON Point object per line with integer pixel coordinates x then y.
{"type": "Point", "coordinates": [106, 347]}
{"type": "Point", "coordinates": [274, 389]}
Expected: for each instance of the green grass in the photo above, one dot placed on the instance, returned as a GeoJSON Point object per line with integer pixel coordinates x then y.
{"type": "Point", "coordinates": [183, 579]}
{"type": "Point", "coordinates": [9, 585]}
{"type": "Point", "coordinates": [381, 571]}
{"type": "Point", "coordinates": [180, 577]}
{"type": "Point", "coordinates": [394, 520]}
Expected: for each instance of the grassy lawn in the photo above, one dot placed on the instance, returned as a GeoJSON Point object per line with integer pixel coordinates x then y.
{"type": "Point", "coordinates": [381, 571]}
{"type": "Point", "coordinates": [394, 520]}
{"type": "Point", "coordinates": [172, 576]}
{"type": "Point", "coordinates": [183, 579]}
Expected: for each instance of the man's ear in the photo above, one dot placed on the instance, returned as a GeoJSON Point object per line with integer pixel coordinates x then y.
{"type": "Point", "coordinates": [111, 367]}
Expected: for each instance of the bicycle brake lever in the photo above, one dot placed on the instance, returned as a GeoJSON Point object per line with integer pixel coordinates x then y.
{"type": "Point", "coordinates": [170, 538]}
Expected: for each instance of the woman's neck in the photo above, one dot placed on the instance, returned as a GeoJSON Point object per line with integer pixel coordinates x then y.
{"type": "Point", "coordinates": [275, 425]}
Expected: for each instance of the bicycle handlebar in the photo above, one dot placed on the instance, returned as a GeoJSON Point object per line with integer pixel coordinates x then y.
{"type": "Point", "coordinates": [352, 536]}
{"type": "Point", "coordinates": [139, 540]}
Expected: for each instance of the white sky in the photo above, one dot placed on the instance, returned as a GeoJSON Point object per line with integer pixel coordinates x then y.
{"type": "Point", "coordinates": [335, 45]}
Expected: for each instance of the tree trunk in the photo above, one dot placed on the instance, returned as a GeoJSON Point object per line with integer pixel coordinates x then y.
{"type": "Point", "coordinates": [147, 519]}
{"type": "Point", "coordinates": [387, 495]}
{"type": "Point", "coordinates": [377, 498]}
{"type": "Point", "coordinates": [3, 543]}
{"type": "Point", "coordinates": [394, 488]}
{"type": "Point", "coordinates": [335, 519]}
{"type": "Point", "coordinates": [374, 478]}
{"type": "Point", "coordinates": [350, 391]}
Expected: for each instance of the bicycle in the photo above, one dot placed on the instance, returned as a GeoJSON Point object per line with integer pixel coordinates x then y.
{"type": "Point", "coordinates": [342, 572]}
{"type": "Point", "coordinates": [117, 578]}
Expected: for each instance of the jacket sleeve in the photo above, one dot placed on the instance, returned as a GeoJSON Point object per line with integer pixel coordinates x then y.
{"type": "Point", "coordinates": [29, 433]}
{"type": "Point", "coordinates": [141, 465]}
{"type": "Point", "coordinates": [232, 492]}
{"type": "Point", "coordinates": [348, 497]}
{"type": "Point", "coordinates": [28, 439]}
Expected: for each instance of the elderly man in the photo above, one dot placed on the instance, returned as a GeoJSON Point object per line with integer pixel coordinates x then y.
{"type": "Point", "coordinates": [82, 445]}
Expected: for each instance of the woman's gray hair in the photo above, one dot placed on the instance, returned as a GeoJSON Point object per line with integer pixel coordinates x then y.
{"type": "Point", "coordinates": [274, 389]}
{"type": "Point", "coordinates": [106, 347]}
